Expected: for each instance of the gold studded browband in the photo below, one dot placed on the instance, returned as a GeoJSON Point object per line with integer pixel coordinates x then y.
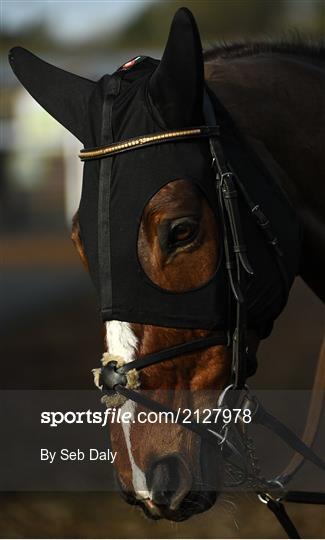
{"type": "Point", "coordinates": [148, 140]}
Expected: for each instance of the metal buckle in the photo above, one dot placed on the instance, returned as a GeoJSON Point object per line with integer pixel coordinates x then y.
{"type": "Point", "coordinates": [111, 376]}
{"type": "Point", "coordinates": [230, 174]}
{"type": "Point", "coordinates": [248, 400]}
{"type": "Point", "coordinates": [218, 434]}
{"type": "Point", "coordinates": [223, 394]}
{"type": "Point", "coordinates": [265, 497]}
{"type": "Point", "coordinates": [225, 391]}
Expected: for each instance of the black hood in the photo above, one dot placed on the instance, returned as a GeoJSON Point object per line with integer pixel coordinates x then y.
{"type": "Point", "coordinates": [146, 96]}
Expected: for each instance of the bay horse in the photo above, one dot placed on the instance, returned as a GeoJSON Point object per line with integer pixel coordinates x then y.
{"type": "Point", "coordinates": [274, 94]}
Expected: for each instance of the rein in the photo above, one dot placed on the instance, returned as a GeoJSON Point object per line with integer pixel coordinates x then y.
{"type": "Point", "coordinates": [113, 378]}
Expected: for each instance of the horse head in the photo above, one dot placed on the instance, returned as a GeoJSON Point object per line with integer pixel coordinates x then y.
{"type": "Point", "coordinates": [150, 231]}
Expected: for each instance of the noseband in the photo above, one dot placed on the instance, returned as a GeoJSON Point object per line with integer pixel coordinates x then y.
{"type": "Point", "coordinates": [113, 379]}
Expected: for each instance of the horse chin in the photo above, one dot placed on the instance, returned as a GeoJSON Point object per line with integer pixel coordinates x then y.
{"type": "Point", "coordinates": [196, 502]}
{"type": "Point", "coordinates": [201, 496]}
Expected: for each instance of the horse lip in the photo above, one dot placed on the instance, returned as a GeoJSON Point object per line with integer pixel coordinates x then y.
{"type": "Point", "coordinates": [152, 507]}
{"type": "Point", "coordinates": [157, 512]}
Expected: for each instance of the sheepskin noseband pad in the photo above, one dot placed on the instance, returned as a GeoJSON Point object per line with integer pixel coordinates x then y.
{"type": "Point", "coordinates": [109, 376]}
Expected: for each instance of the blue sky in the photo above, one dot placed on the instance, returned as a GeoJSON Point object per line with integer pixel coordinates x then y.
{"type": "Point", "coordinates": [69, 19]}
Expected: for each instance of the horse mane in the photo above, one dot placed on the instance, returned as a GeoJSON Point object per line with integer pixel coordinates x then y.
{"type": "Point", "coordinates": [296, 46]}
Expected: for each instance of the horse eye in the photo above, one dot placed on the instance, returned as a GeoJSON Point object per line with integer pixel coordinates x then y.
{"type": "Point", "coordinates": [182, 232]}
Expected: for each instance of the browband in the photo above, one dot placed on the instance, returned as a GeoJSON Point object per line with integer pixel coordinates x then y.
{"type": "Point", "coordinates": [147, 140]}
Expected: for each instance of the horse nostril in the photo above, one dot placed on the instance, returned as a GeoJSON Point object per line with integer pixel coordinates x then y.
{"type": "Point", "coordinates": [170, 482]}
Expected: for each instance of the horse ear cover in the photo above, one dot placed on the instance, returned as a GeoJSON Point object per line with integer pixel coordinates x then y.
{"type": "Point", "coordinates": [147, 98]}
{"type": "Point", "coordinates": [176, 87]}
{"type": "Point", "coordinates": [62, 94]}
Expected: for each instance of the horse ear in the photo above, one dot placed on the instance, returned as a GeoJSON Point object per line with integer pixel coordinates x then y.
{"type": "Point", "coordinates": [62, 94]}
{"type": "Point", "coordinates": [176, 87]}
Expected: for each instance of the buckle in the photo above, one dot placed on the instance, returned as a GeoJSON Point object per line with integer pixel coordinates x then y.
{"type": "Point", "coordinates": [277, 492]}
{"type": "Point", "coordinates": [250, 402]}
{"type": "Point", "coordinates": [111, 376]}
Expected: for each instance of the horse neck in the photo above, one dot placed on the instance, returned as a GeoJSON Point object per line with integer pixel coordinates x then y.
{"type": "Point", "coordinates": [277, 99]}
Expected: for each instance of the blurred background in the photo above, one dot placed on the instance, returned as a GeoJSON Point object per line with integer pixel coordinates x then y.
{"type": "Point", "coordinates": [50, 329]}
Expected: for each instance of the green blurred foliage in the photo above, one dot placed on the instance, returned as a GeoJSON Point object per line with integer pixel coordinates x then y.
{"type": "Point", "coordinates": [227, 19]}
{"type": "Point", "coordinates": [33, 36]}
{"type": "Point", "coordinates": [217, 20]}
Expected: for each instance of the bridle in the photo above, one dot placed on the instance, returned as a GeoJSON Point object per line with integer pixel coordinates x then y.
{"type": "Point", "coordinates": [233, 443]}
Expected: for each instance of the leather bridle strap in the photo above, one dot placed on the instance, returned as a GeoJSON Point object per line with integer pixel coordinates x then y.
{"type": "Point", "coordinates": [262, 417]}
{"type": "Point", "coordinates": [280, 513]}
{"type": "Point", "coordinates": [273, 424]}
{"type": "Point", "coordinates": [150, 139]}
{"type": "Point", "coordinates": [304, 497]}
{"type": "Point", "coordinates": [218, 338]}
{"type": "Point", "coordinates": [313, 417]}
{"type": "Point", "coordinates": [113, 379]}
{"type": "Point", "coordinates": [210, 435]}
{"type": "Point", "coordinates": [104, 193]}
{"type": "Point", "coordinates": [113, 376]}
{"type": "Point", "coordinates": [277, 507]}
{"type": "Point", "coordinates": [237, 263]}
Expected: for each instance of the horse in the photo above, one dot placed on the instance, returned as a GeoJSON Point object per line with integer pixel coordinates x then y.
{"type": "Point", "coordinates": [272, 93]}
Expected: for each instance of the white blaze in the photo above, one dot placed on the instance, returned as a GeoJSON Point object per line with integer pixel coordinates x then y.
{"type": "Point", "coordinates": [122, 341]}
